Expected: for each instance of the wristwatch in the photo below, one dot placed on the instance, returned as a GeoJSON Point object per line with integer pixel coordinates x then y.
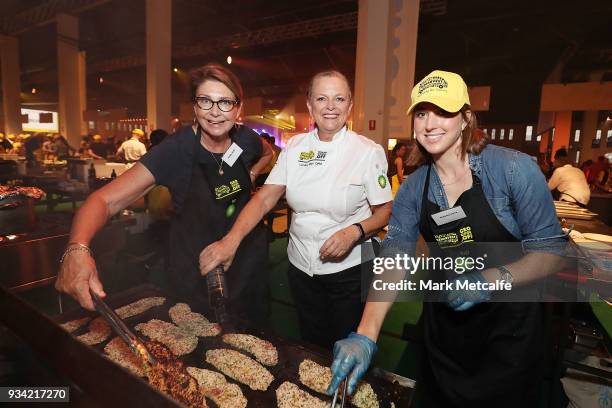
{"type": "Point", "coordinates": [505, 274]}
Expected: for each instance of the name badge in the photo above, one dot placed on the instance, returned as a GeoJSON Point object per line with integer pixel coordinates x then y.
{"type": "Point", "coordinates": [450, 215]}
{"type": "Point", "coordinates": [232, 154]}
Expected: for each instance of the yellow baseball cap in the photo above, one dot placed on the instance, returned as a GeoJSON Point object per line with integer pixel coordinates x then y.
{"type": "Point", "coordinates": [138, 132]}
{"type": "Point", "coordinates": [446, 90]}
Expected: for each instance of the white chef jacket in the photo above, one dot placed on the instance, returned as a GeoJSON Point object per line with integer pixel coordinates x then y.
{"type": "Point", "coordinates": [329, 186]}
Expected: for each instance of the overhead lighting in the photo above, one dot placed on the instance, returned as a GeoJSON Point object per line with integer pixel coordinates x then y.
{"type": "Point", "coordinates": [33, 90]}
{"type": "Point", "coordinates": [101, 80]}
{"type": "Point", "coordinates": [175, 69]}
{"type": "Point", "coordinates": [276, 116]}
{"type": "Point", "coordinates": [229, 59]}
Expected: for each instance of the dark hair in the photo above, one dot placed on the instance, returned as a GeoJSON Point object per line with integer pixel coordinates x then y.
{"type": "Point", "coordinates": [215, 72]}
{"type": "Point", "coordinates": [157, 136]}
{"type": "Point", "coordinates": [397, 146]}
{"type": "Point", "coordinates": [473, 140]}
{"type": "Point", "coordinates": [324, 74]}
{"type": "Point", "coordinates": [562, 152]}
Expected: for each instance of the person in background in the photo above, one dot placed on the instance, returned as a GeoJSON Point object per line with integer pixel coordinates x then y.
{"type": "Point", "coordinates": [335, 181]}
{"type": "Point", "coordinates": [544, 165]}
{"type": "Point", "coordinates": [478, 351]}
{"type": "Point", "coordinates": [62, 148]}
{"type": "Point", "coordinates": [157, 136]}
{"type": "Point", "coordinates": [586, 168]}
{"type": "Point", "coordinates": [159, 199]}
{"type": "Point", "coordinates": [5, 144]}
{"type": "Point", "coordinates": [48, 148]}
{"type": "Point", "coordinates": [600, 172]}
{"type": "Point", "coordinates": [132, 149]}
{"type": "Point", "coordinates": [396, 166]}
{"type": "Point", "coordinates": [261, 178]}
{"type": "Point", "coordinates": [568, 183]}
{"type": "Point", "coordinates": [99, 149]}
{"type": "Point", "coordinates": [208, 193]}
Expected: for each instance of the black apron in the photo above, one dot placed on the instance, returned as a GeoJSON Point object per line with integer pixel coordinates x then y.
{"type": "Point", "coordinates": [489, 355]}
{"type": "Point", "coordinates": [210, 208]}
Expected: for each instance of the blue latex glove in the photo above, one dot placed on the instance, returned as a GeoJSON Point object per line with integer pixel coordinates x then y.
{"type": "Point", "coordinates": [352, 356]}
{"type": "Point", "coordinates": [463, 299]}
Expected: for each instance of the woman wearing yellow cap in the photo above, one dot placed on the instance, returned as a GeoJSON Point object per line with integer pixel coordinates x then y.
{"type": "Point", "coordinates": [470, 201]}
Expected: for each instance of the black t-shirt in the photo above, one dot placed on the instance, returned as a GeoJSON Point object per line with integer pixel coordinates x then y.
{"type": "Point", "coordinates": [171, 161]}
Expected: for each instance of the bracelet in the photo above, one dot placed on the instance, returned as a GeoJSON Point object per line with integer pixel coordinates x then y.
{"type": "Point", "coordinates": [75, 246]}
{"type": "Point", "coordinates": [362, 234]}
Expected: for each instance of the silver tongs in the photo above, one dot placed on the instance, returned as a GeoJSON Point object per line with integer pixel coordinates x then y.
{"type": "Point", "coordinates": [342, 401]}
{"type": "Point", "coordinates": [119, 326]}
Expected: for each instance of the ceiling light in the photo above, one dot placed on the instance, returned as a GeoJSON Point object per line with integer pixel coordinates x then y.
{"type": "Point", "coordinates": [175, 69]}
{"type": "Point", "coordinates": [229, 59]}
{"type": "Point", "coordinates": [33, 90]}
{"type": "Point", "coordinates": [101, 80]}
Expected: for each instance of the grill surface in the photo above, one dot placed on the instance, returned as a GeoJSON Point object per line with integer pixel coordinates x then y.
{"type": "Point", "coordinates": [389, 387]}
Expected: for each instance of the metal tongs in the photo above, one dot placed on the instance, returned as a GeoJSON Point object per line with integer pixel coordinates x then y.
{"type": "Point", "coordinates": [342, 401]}
{"type": "Point", "coordinates": [119, 326]}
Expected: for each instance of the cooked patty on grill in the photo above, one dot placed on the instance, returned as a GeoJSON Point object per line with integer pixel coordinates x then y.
{"type": "Point", "coordinates": [120, 353]}
{"type": "Point", "coordinates": [178, 339]}
{"type": "Point", "coordinates": [73, 325]}
{"type": "Point", "coordinates": [99, 330]}
{"type": "Point", "coordinates": [139, 306]}
{"type": "Point", "coordinates": [318, 377]}
{"type": "Point", "coordinates": [217, 388]}
{"type": "Point", "coordinates": [289, 395]}
{"type": "Point", "coordinates": [263, 350]}
{"type": "Point", "coordinates": [182, 316]}
{"type": "Point", "coordinates": [241, 368]}
{"type": "Point", "coordinates": [170, 376]}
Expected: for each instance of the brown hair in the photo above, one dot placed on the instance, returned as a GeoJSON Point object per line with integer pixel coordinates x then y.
{"type": "Point", "coordinates": [473, 140]}
{"type": "Point", "coordinates": [325, 74]}
{"type": "Point", "coordinates": [215, 72]}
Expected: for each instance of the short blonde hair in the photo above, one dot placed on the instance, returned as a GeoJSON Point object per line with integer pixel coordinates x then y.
{"type": "Point", "coordinates": [327, 74]}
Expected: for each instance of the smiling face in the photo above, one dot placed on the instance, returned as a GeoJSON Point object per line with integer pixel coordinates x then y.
{"type": "Point", "coordinates": [214, 122]}
{"type": "Point", "coordinates": [438, 131]}
{"type": "Point", "coordinates": [329, 104]}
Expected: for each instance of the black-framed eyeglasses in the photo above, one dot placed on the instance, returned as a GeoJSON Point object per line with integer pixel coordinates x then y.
{"type": "Point", "coordinates": [224, 105]}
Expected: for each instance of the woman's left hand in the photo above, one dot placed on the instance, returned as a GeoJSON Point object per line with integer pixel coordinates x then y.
{"type": "Point", "coordinates": [218, 253]}
{"type": "Point", "coordinates": [340, 243]}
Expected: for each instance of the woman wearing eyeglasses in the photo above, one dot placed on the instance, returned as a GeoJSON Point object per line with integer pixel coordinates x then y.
{"type": "Point", "coordinates": [336, 184]}
{"type": "Point", "coordinates": [209, 168]}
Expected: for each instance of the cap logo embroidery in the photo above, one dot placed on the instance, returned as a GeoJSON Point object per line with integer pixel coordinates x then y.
{"type": "Point", "coordinates": [433, 82]}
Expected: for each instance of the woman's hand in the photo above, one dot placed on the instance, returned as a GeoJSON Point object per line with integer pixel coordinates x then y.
{"type": "Point", "coordinates": [340, 243]}
{"type": "Point", "coordinates": [78, 274]}
{"type": "Point", "coordinates": [218, 253]}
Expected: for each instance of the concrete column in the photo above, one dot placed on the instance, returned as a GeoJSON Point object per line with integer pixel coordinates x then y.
{"type": "Point", "coordinates": [70, 78]}
{"type": "Point", "coordinates": [159, 53]}
{"type": "Point", "coordinates": [83, 90]}
{"type": "Point", "coordinates": [384, 73]}
{"type": "Point", "coordinates": [11, 84]}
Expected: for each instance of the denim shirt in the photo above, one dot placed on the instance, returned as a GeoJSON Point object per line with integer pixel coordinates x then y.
{"type": "Point", "coordinates": [514, 187]}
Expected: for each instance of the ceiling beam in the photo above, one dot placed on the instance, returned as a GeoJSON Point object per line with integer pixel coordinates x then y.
{"type": "Point", "coordinates": [44, 14]}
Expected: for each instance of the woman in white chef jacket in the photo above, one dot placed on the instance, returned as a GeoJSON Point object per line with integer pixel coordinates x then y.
{"type": "Point", "coordinates": [336, 183]}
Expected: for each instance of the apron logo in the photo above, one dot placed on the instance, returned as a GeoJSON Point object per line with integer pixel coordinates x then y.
{"type": "Point", "coordinates": [382, 181]}
{"type": "Point", "coordinates": [223, 190]}
{"type": "Point", "coordinates": [453, 239]}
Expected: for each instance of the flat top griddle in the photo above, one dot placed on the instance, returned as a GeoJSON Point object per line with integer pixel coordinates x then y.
{"type": "Point", "coordinates": [389, 387]}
